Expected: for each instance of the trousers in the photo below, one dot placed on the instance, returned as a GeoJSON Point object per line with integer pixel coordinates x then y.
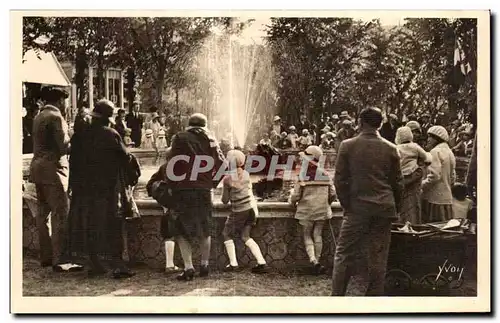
{"type": "Point", "coordinates": [362, 249]}
{"type": "Point", "coordinates": [53, 200]}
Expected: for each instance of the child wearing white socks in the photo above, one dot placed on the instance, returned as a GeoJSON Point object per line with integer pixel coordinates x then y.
{"type": "Point", "coordinates": [312, 195]}
{"type": "Point", "coordinates": [238, 190]}
{"type": "Point", "coordinates": [169, 243]}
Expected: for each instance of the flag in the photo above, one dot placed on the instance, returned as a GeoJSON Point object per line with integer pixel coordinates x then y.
{"type": "Point", "coordinates": [459, 58]}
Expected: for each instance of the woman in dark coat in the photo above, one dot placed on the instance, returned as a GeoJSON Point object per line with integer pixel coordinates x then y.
{"type": "Point", "coordinates": [99, 160]}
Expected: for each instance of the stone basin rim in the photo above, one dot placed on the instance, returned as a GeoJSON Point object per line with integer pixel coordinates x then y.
{"type": "Point", "coordinates": [271, 207]}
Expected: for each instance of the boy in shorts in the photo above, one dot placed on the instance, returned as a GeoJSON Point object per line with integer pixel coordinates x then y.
{"type": "Point", "coordinates": [238, 190]}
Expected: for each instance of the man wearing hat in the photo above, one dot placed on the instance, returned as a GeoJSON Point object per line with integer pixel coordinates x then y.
{"type": "Point", "coordinates": [193, 211]}
{"type": "Point", "coordinates": [49, 173]}
{"type": "Point", "coordinates": [347, 131]}
{"type": "Point", "coordinates": [369, 184]}
{"type": "Point", "coordinates": [135, 122]}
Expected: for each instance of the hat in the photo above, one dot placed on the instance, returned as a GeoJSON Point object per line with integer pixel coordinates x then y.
{"type": "Point", "coordinates": [292, 128]}
{"type": "Point", "coordinates": [283, 134]}
{"type": "Point", "coordinates": [197, 120]}
{"type": "Point", "coordinates": [331, 134]}
{"type": "Point", "coordinates": [439, 132]}
{"type": "Point", "coordinates": [53, 94]}
{"type": "Point", "coordinates": [236, 156]}
{"type": "Point", "coordinates": [273, 133]}
{"type": "Point", "coordinates": [305, 132]}
{"type": "Point", "coordinates": [393, 116]}
{"type": "Point", "coordinates": [311, 152]}
{"type": "Point", "coordinates": [403, 135]}
{"type": "Point", "coordinates": [276, 118]}
{"type": "Point", "coordinates": [121, 110]}
{"type": "Point", "coordinates": [104, 109]}
{"type": "Point", "coordinates": [426, 115]}
{"type": "Point", "coordinates": [347, 122]}
{"type": "Point", "coordinates": [149, 132]}
{"type": "Point", "coordinates": [161, 133]}
{"type": "Point", "coordinates": [335, 117]}
{"type": "Point", "coordinates": [155, 116]}
{"type": "Point", "coordinates": [413, 125]}
{"type": "Point", "coordinates": [344, 114]}
{"type": "Point", "coordinates": [128, 131]}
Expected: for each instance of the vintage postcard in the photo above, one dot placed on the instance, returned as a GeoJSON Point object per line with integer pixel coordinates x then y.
{"type": "Point", "coordinates": [250, 162]}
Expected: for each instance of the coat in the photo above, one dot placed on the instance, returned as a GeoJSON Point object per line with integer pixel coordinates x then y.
{"type": "Point", "coordinates": [313, 196]}
{"type": "Point", "coordinates": [50, 147]}
{"type": "Point", "coordinates": [100, 174]}
{"type": "Point", "coordinates": [368, 177]}
{"type": "Point", "coordinates": [436, 187]}
{"type": "Point", "coordinates": [192, 143]}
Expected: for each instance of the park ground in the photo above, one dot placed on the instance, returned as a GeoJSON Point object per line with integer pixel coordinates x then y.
{"type": "Point", "coordinates": [39, 281]}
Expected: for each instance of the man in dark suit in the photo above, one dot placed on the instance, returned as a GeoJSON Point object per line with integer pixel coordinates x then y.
{"type": "Point", "coordinates": [49, 172]}
{"type": "Point", "coordinates": [303, 124]}
{"type": "Point", "coordinates": [135, 122]}
{"type": "Point", "coordinates": [369, 185]}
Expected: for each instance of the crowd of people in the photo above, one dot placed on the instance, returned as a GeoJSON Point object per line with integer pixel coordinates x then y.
{"type": "Point", "coordinates": [385, 172]}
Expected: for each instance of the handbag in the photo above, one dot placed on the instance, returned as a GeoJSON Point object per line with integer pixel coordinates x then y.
{"type": "Point", "coordinates": [162, 193]}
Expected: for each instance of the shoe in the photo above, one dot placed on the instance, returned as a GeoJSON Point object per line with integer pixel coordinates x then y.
{"type": "Point", "coordinates": [318, 269]}
{"type": "Point", "coordinates": [229, 268]}
{"type": "Point", "coordinates": [172, 270]}
{"type": "Point", "coordinates": [67, 268]}
{"type": "Point", "coordinates": [261, 269]}
{"type": "Point", "coordinates": [122, 273]}
{"type": "Point", "coordinates": [187, 275]}
{"type": "Point", "coordinates": [46, 264]}
{"type": "Point", "coordinates": [96, 272]}
{"type": "Point", "coordinates": [204, 271]}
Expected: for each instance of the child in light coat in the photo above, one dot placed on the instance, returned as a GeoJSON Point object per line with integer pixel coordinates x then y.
{"type": "Point", "coordinates": [313, 194]}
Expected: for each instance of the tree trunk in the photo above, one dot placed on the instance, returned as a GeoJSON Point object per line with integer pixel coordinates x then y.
{"type": "Point", "coordinates": [177, 99]}
{"type": "Point", "coordinates": [159, 84]}
{"type": "Point", "coordinates": [80, 67]}
{"type": "Point", "coordinates": [130, 88]}
{"type": "Point", "coordinates": [100, 72]}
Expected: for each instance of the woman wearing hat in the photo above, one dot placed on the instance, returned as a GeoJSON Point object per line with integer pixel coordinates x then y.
{"type": "Point", "coordinates": [277, 125]}
{"type": "Point", "coordinates": [312, 194]}
{"type": "Point", "coordinates": [436, 187]}
{"type": "Point", "coordinates": [95, 219]}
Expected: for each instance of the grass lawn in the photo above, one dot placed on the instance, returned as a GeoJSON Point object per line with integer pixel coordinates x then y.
{"type": "Point", "coordinates": [39, 281]}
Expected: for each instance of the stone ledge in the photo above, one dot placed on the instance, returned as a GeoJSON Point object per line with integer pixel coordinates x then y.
{"type": "Point", "coordinates": [266, 209]}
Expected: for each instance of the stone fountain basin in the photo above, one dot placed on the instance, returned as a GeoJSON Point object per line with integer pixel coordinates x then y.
{"type": "Point", "coordinates": [277, 232]}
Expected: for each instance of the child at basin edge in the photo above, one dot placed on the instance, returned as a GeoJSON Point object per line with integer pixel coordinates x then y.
{"type": "Point", "coordinates": [313, 194]}
{"type": "Point", "coordinates": [238, 189]}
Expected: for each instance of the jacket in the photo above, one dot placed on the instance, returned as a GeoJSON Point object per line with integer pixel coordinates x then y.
{"type": "Point", "coordinates": [313, 196]}
{"type": "Point", "coordinates": [189, 145]}
{"type": "Point", "coordinates": [50, 148]}
{"type": "Point", "coordinates": [368, 177]}
{"type": "Point", "coordinates": [436, 187]}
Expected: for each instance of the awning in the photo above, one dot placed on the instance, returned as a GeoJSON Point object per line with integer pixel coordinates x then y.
{"type": "Point", "coordinates": [44, 69]}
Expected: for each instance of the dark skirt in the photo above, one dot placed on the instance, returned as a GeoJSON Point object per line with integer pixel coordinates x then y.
{"type": "Point", "coordinates": [411, 204]}
{"type": "Point", "coordinates": [436, 212]}
{"type": "Point", "coordinates": [192, 213]}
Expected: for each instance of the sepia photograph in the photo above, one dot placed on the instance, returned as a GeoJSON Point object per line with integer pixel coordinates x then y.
{"type": "Point", "coordinates": [261, 154]}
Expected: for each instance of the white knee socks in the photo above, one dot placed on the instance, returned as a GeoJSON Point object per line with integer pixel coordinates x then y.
{"type": "Point", "coordinates": [318, 247]}
{"type": "Point", "coordinates": [169, 253]}
{"type": "Point", "coordinates": [231, 252]}
{"type": "Point", "coordinates": [254, 248]}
